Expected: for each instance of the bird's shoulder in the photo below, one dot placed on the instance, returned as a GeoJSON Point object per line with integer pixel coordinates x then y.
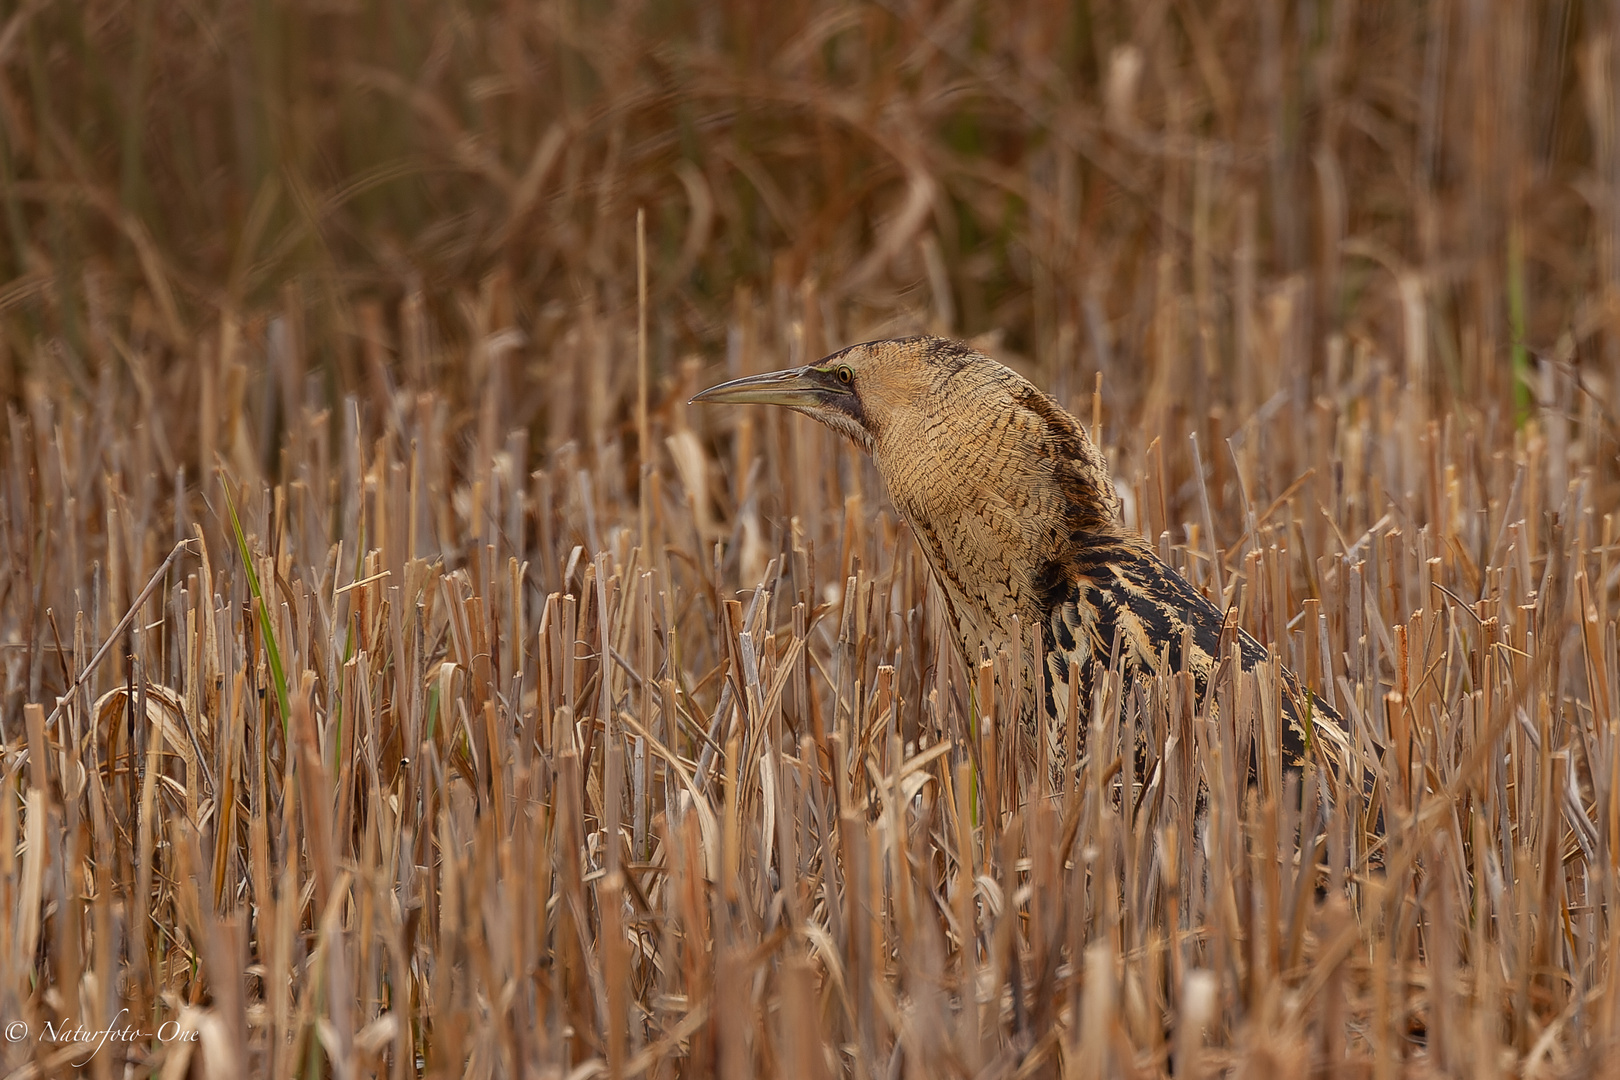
{"type": "Point", "coordinates": [1077, 467]}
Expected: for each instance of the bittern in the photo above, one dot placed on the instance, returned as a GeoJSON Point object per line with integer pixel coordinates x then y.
{"type": "Point", "coordinates": [1014, 508]}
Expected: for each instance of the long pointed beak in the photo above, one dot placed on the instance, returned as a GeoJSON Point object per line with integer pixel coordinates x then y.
{"type": "Point", "coordinates": [795, 388]}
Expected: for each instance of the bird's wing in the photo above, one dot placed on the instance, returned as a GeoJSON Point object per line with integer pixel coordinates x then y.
{"type": "Point", "coordinates": [1120, 586]}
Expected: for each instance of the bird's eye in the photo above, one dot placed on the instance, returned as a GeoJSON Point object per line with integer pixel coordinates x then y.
{"type": "Point", "coordinates": [845, 375]}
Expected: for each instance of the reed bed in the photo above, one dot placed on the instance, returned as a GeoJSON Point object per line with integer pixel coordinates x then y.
{"type": "Point", "coordinates": [401, 679]}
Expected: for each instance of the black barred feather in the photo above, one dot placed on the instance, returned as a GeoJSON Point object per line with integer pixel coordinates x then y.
{"type": "Point", "coordinates": [1112, 586]}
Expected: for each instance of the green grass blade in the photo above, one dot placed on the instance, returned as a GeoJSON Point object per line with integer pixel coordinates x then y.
{"type": "Point", "coordinates": [277, 673]}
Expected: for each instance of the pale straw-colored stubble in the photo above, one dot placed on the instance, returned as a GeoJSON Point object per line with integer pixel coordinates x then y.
{"type": "Point", "coordinates": [859, 835]}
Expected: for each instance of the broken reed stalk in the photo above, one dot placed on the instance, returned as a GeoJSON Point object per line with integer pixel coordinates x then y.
{"type": "Point", "coordinates": [118, 631]}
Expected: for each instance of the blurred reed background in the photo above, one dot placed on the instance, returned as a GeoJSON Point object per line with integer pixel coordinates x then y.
{"type": "Point", "coordinates": [516, 732]}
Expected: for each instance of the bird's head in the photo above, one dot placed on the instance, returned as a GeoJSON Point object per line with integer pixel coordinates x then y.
{"type": "Point", "coordinates": [860, 391]}
{"type": "Point", "coordinates": [999, 485]}
{"type": "Point", "coordinates": [950, 429]}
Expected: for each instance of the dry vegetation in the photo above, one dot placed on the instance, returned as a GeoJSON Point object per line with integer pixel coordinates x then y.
{"type": "Point", "coordinates": [520, 732]}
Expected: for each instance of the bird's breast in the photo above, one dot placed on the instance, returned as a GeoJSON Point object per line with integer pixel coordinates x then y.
{"type": "Point", "coordinates": [979, 492]}
{"type": "Point", "coordinates": [974, 551]}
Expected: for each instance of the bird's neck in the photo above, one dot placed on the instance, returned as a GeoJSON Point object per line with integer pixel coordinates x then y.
{"type": "Point", "coordinates": [997, 499]}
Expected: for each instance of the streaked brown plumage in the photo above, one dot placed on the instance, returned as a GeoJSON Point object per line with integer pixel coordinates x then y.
{"type": "Point", "coordinates": [1014, 508]}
